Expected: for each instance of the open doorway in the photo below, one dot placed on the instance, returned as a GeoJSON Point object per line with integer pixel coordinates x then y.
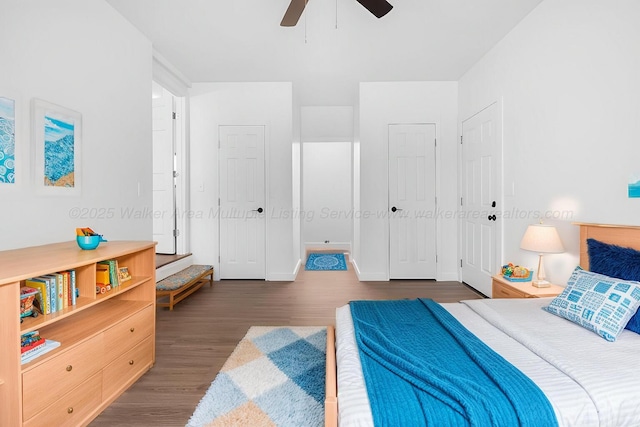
{"type": "Point", "coordinates": [169, 227]}
{"type": "Point", "coordinates": [327, 219]}
{"type": "Point", "coordinates": [327, 195]}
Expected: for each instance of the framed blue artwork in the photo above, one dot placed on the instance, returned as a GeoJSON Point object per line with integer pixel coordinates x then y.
{"type": "Point", "coordinates": [7, 141]}
{"type": "Point", "coordinates": [57, 133]}
{"type": "Point", "coordinates": [634, 188]}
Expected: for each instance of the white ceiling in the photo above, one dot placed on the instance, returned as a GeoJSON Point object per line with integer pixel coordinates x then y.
{"type": "Point", "coordinates": [241, 40]}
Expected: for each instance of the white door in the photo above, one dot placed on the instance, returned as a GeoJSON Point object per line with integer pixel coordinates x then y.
{"type": "Point", "coordinates": [164, 203]}
{"type": "Point", "coordinates": [242, 202]}
{"type": "Point", "coordinates": [481, 196]}
{"type": "Point", "coordinates": [412, 201]}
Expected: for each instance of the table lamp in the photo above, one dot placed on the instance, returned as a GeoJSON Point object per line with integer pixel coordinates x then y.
{"type": "Point", "coordinates": [543, 239]}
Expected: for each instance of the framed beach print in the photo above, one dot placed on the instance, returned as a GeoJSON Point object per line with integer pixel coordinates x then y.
{"type": "Point", "coordinates": [7, 141]}
{"type": "Point", "coordinates": [57, 136]}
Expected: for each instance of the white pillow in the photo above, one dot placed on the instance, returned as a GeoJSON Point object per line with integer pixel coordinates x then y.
{"type": "Point", "coordinates": [597, 302]}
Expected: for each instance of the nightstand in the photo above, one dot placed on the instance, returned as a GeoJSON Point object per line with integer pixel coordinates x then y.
{"type": "Point", "coordinates": [502, 288]}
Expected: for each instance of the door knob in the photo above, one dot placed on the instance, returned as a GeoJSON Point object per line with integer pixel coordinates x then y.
{"type": "Point", "coordinates": [393, 209]}
{"type": "Point", "coordinates": [259, 210]}
{"type": "Point", "coordinates": [491, 218]}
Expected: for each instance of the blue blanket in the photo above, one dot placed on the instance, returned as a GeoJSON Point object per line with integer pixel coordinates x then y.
{"type": "Point", "coordinates": [423, 368]}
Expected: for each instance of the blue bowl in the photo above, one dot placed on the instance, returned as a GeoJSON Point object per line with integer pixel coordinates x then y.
{"type": "Point", "coordinates": [88, 242]}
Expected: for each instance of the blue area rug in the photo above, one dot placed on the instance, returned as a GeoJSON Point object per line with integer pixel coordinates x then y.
{"type": "Point", "coordinates": [324, 261]}
{"type": "Point", "coordinates": [275, 376]}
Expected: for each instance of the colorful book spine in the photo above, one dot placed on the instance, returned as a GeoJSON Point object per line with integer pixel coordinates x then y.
{"type": "Point", "coordinates": [32, 346]}
{"type": "Point", "coordinates": [73, 286]}
{"type": "Point", "coordinates": [113, 272]}
{"type": "Point", "coordinates": [50, 302]}
{"type": "Point", "coordinates": [116, 271]}
{"type": "Point", "coordinates": [36, 352]}
{"type": "Point", "coordinates": [43, 298]}
{"type": "Point", "coordinates": [57, 291]}
{"type": "Point", "coordinates": [53, 293]}
{"type": "Point", "coordinates": [50, 282]}
{"type": "Point", "coordinates": [60, 283]}
{"type": "Point", "coordinates": [65, 289]}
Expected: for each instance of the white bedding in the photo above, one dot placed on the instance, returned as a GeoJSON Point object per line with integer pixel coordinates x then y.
{"type": "Point", "coordinates": [588, 380]}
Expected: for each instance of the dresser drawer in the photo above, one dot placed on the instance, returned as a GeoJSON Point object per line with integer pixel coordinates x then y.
{"type": "Point", "coordinates": [126, 334]}
{"type": "Point", "coordinates": [45, 383]}
{"type": "Point", "coordinates": [502, 291]}
{"type": "Point", "coordinates": [73, 408]}
{"type": "Point", "coordinates": [127, 367]}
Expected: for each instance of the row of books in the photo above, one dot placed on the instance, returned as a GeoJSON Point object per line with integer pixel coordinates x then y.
{"type": "Point", "coordinates": [109, 275]}
{"type": "Point", "coordinates": [56, 291]}
{"type": "Point", "coordinates": [33, 345]}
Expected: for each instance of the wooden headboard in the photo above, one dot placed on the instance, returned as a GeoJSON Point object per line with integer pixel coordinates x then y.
{"type": "Point", "coordinates": [621, 235]}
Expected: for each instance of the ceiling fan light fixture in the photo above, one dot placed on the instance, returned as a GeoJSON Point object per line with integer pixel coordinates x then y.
{"type": "Point", "coordinates": [379, 8]}
{"type": "Point", "coordinates": [293, 13]}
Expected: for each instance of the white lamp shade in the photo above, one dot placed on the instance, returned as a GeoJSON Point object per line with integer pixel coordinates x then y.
{"type": "Point", "coordinates": [542, 238]}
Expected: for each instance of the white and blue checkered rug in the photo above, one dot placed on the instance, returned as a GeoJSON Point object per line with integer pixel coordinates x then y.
{"type": "Point", "coordinates": [325, 261]}
{"type": "Point", "coordinates": [274, 377]}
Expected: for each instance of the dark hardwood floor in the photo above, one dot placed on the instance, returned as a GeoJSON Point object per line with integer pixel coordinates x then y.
{"type": "Point", "coordinates": [194, 340]}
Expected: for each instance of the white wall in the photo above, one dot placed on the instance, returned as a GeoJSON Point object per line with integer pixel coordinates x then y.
{"type": "Point", "coordinates": [568, 76]}
{"type": "Point", "coordinates": [269, 104]}
{"type": "Point", "coordinates": [404, 102]}
{"type": "Point", "coordinates": [83, 56]}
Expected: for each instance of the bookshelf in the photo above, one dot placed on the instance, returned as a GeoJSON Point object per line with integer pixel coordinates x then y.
{"type": "Point", "coordinates": [107, 341]}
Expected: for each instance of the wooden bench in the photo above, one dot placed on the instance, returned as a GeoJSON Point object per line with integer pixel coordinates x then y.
{"type": "Point", "coordinates": [180, 285]}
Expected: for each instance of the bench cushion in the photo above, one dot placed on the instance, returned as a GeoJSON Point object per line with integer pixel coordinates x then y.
{"type": "Point", "coordinates": [181, 278]}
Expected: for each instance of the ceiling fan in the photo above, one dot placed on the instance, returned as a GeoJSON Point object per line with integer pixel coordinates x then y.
{"type": "Point", "coordinates": [378, 7]}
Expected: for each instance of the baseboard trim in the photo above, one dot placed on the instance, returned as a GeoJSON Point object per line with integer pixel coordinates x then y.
{"type": "Point", "coordinates": [284, 277]}
{"type": "Point", "coordinates": [373, 277]}
{"type": "Point", "coordinates": [281, 277]}
{"type": "Point", "coordinates": [322, 246]}
{"type": "Point", "coordinates": [356, 269]}
{"type": "Point", "coordinates": [369, 277]}
{"type": "Point", "coordinates": [448, 277]}
{"type": "Point", "coordinates": [297, 269]}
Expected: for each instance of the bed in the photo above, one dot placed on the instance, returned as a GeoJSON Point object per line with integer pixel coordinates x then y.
{"type": "Point", "coordinates": [585, 378]}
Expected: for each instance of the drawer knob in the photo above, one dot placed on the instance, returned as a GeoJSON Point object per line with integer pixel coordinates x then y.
{"type": "Point", "coordinates": [132, 329]}
{"type": "Point", "coordinates": [131, 362]}
{"type": "Point", "coordinates": [69, 368]}
{"type": "Point", "coordinates": [69, 410]}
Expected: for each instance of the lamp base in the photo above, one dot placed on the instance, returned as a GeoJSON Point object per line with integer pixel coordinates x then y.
{"type": "Point", "coordinates": [541, 283]}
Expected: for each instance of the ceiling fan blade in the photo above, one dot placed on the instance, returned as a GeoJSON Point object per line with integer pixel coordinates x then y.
{"type": "Point", "coordinates": [293, 13]}
{"type": "Point", "coordinates": [378, 7]}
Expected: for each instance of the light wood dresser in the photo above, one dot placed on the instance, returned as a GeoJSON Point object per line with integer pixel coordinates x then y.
{"type": "Point", "coordinates": [107, 340]}
{"type": "Point", "coordinates": [502, 288]}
